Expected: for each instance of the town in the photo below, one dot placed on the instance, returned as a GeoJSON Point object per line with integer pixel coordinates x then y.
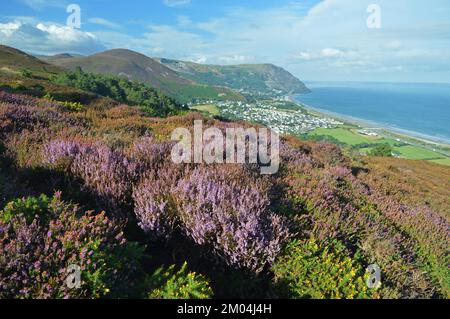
{"type": "Point", "coordinates": [282, 116]}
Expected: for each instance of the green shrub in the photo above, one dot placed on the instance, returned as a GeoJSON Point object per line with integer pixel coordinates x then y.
{"type": "Point", "coordinates": [29, 208]}
{"type": "Point", "coordinates": [72, 106]}
{"type": "Point", "coordinates": [312, 270]}
{"type": "Point", "coordinates": [26, 73]}
{"type": "Point", "coordinates": [181, 284]}
{"type": "Point", "coordinates": [382, 150]}
{"type": "Point", "coordinates": [151, 101]}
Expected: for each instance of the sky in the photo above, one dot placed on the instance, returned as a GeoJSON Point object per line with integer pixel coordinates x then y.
{"type": "Point", "coordinates": [316, 40]}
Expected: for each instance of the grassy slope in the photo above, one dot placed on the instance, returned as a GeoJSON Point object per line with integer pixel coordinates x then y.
{"type": "Point", "coordinates": [13, 61]}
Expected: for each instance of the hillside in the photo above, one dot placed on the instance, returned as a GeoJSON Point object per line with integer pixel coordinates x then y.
{"type": "Point", "coordinates": [136, 66]}
{"type": "Point", "coordinates": [25, 74]}
{"type": "Point", "coordinates": [250, 78]}
{"type": "Point", "coordinates": [15, 61]}
{"type": "Point", "coordinates": [309, 231]}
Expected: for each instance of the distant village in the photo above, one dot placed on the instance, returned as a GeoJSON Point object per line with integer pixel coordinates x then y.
{"type": "Point", "coordinates": [279, 115]}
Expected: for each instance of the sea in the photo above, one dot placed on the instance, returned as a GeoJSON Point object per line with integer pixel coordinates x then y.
{"type": "Point", "coordinates": [417, 109]}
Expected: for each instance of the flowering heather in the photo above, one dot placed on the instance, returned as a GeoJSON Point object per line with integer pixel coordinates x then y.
{"type": "Point", "coordinates": [347, 214]}
{"type": "Point", "coordinates": [151, 155]}
{"type": "Point", "coordinates": [36, 251]}
{"type": "Point", "coordinates": [107, 173]}
{"type": "Point", "coordinates": [154, 201]}
{"type": "Point", "coordinates": [339, 206]}
{"type": "Point", "coordinates": [232, 215]}
{"type": "Point", "coordinates": [16, 117]}
{"type": "Point", "coordinates": [16, 99]}
{"type": "Point", "coordinates": [328, 154]}
{"type": "Point", "coordinates": [429, 229]}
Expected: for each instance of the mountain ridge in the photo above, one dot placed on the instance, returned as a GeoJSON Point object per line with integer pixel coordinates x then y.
{"type": "Point", "coordinates": [254, 78]}
{"type": "Point", "coordinates": [163, 73]}
{"type": "Point", "coordinates": [139, 67]}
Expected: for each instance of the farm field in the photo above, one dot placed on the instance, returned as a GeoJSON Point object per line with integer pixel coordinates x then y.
{"type": "Point", "coordinates": [350, 136]}
{"type": "Point", "coordinates": [210, 109]}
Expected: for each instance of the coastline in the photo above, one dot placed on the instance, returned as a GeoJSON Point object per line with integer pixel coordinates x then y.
{"type": "Point", "coordinates": [381, 129]}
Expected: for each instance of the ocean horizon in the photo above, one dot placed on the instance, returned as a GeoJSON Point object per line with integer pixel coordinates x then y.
{"type": "Point", "coordinates": [417, 109]}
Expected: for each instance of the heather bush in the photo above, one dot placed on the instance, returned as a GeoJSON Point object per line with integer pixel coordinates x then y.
{"type": "Point", "coordinates": [310, 269]}
{"type": "Point", "coordinates": [151, 155]}
{"type": "Point", "coordinates": [222, 208]}
{"type": "Point", "coordinates": [25, 148]}
{"type": "Point", "coordinates": [230, 212]}
{"type": "Point", "coordinates": [172, 284]}
{"type": "Point", "coordinates": [328, 154]}
{"type": "Point", "coordinates": [16, 99]}
{"type": "Point", "coordinates": [35, 253]}
{"type": "Point", "coordinates": [338, 205]}
{"type": "Point", "coordinates": [154, 202]}
{"type": "Point", "coordinates": [429, 229]}
{"type": "Point", "coordinates": [107, 173]}
{"type": "Point", "coordinates": [18, 117]}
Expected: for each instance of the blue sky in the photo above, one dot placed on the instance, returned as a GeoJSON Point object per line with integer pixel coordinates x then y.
{"type": "Point", "coordinates": [316, 40]}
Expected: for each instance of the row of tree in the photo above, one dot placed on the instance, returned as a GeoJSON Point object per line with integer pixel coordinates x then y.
{"type": "Point", "coordinates": [153, 102]}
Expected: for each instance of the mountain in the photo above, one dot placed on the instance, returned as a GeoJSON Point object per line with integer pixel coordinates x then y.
{"type": "Point", "coordinates": [136, 66]}
{"type": "Point", "coordinates": [250, 78]}
{"type": "Point", "coordinates": [15, 61]}
{"type": "Point", "coordinates": [54, 58]}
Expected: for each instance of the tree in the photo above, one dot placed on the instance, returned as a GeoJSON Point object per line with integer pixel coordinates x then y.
{"type": "Point", "coordinates": [382, 150]}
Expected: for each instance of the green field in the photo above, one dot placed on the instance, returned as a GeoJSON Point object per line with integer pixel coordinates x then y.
{"type": "Point", "coordinates": [347, 135]}
{"type": "Point", "coordinates": [211, 109]}
{"type": "Point", "coordinates": [418, 153]}
{"type": "Point", "coordinates": [442, 161]}
{"type": "Point", "coordinates": [350, 136]}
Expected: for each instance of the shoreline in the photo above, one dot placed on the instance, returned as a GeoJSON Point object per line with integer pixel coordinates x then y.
{"type": "Point", "coordinates": [370, 125]}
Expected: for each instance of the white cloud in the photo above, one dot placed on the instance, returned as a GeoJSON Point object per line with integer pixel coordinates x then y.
{"type": "Point", "coordinates": [42, 4]}
{"type": "Point", "coordinates": [332, 53]}
{"type": "Point", "coordinates": [48, 38]}
{"type": "Point", "coordinates": [9, 28]}
{"type": "Point", "coordinates": [394, 45]}
{"type": "Point", "coordinates": [184, 21]}
{"type": "Point", "coordinates": [305, 56]}
{"type": "Point", "coordinates": [104, 22]}
{"type": "Point", "coordinates": [176, 3]}
{"type": "Point", "coordinates": [325, 42]}
{"type": "Point", "coordinates": [234, 59]}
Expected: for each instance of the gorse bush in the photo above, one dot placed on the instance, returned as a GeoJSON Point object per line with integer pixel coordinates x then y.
{"type": "Point", "coordinates": [313, 270]}
{"type": "Point", "coordinates": [30, 208]}
{"type": "Point", "coordinates": [178, 284]}
{"type": "Point", "coordinates": [73, 106]}
{"type": "Point", "coordinates": [35, 253]}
